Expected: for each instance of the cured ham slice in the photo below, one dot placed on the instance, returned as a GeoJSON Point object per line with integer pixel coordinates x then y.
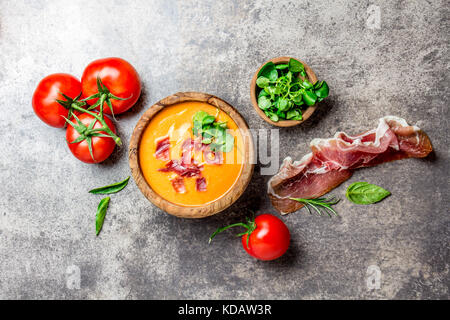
{"type": "Point", "coordinates": [163, 149]}
{"type": "Point", "coordinates": [182, 169]}
{"type": "Point", "coordinates": [186, 166]}
{"type": "Point", "coordinates": [178, 185]}
{"type": "Point", "coordinates": [332, 161]}
{"type": "Point", "coordinates": [200, 184]}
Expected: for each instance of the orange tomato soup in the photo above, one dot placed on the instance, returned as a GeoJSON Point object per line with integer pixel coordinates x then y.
{"type": "Point", "coordinates": [176, 123]}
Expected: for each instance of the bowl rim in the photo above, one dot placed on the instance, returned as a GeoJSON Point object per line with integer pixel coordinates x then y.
{"type": "Point", "coordinates": [283, 123]}
{"type": "Point", "coordinates": [217, 205]}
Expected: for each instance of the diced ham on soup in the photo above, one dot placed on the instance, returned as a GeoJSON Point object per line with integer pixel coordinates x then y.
{"type": "Point", "coordinates": [332, 161]}
{"type": "Point", "coordinates": [162, 151]}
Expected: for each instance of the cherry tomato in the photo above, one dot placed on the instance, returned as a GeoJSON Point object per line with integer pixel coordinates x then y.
{"type": "Point", "coordinates": [44, 98]}
{"type": "Point", "coordinates": [269, 237]}
{"type": "Point", "coordinates": [118, 76]}
{"type": "Point", "coordinates": [102, 147]}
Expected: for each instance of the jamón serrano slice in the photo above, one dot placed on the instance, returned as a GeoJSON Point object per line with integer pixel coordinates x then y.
{"type": "Point", "coordinates": [332, 161]}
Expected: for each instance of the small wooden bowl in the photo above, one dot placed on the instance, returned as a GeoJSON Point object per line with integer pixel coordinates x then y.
{"type": "Point", "coordinates": [192, 211]}
{"type": "Point", "coordinates": [283, 123]}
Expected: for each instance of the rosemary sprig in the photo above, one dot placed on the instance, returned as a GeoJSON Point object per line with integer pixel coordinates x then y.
{"type": "Point", "coordinates": [320, 205]}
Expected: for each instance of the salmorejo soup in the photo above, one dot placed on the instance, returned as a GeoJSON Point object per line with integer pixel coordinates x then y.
{"type": "Point", "coordinates": [191, 153]}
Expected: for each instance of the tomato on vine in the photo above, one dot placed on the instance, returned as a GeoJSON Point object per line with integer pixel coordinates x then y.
{"type": "Point", "coordinates": [47, 92]}
{"type": "Point", "coordinates": [111, 82]}
{"type": "Point", "coordinates": [91, 138]}
{"type": "Point", "coordinates": [266, 237]}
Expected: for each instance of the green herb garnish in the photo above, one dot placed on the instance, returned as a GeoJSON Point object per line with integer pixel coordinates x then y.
{"type": "Point", "coordinates": [213, 133]}
{"type": "Point", "coordinates": [284, 90]}
{"type": "Point", "coordinates": [365, 193]}
{"type": "Point", "coordinates": [320, 205]}
{"type": "Point", "coordinates": [112, 188]}
{"type": "Point", "coordinates": [101, 213]}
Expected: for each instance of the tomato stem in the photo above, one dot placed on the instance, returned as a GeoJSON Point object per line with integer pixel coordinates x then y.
{"type": "Point", "coordinates": [75, 104]}
{"type": "Point", "coordinates": [105, 127]}
{"type": "Point", "coordinates": [250, 226]}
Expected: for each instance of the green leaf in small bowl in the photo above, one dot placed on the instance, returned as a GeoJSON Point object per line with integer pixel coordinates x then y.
{"type": "Point", "coordinates": [283, 104]}
{"type": "Point", "coordinates": [306, 84]}
{"type": "Point", "coordinates": [291, 114]}
{"type": "Point", "coordinates": [262, 82]}
{"type": "Point", "coordinates": [365, 193]}
{"type": "Point", "coordinates": [264, 102]}
{"type": "Point", "coordinates": [296, 66]}
{"type": "Point", "coordinates": [309, 97]}
{"type": "Point", "coordinates": [266, 69]}
{"type": "Point", "coordinates": [262, 93]}
{"type": "Point", "coordinates": [322, 90]}
{"type": "Point", "coordinates": [281, 66]}
{"type": "Point", "coordinates": [273, 75]}
{"type": "Point", "coordinates": [272, 116]}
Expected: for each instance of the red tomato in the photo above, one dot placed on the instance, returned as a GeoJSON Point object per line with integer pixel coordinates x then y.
{"type": "Point", "coordinates": [102, 147]}
{"type": "Point", "coordinates": [44, 97]}
{"type": "Point", "coordinates": [118, 76]}
{"type": "Point", "coordinates": [269, 240]}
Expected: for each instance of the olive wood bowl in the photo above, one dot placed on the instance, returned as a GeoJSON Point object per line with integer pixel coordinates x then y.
{"type": "Point", "coordinates": [192, 211]}
{"type": "Point", "coordinates": [282, 123]}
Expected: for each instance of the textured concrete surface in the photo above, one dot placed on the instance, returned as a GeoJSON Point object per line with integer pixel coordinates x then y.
{"type": "Point", "coordinates": [398, 67]}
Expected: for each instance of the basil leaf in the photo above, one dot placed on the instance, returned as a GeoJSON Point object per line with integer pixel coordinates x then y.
{"type": "Point", "coordinates": [101, 213]}
{"type": "Point", "coordinates": [262, 82]}
{"type": "Point", "coordinates": [264, 102]}
{"type": "Point", "coordinates": [112, 188]}
{"type": "Point", "coordinates": [365, 193]}
{"type": "Point", "coordinates": [296, 66]}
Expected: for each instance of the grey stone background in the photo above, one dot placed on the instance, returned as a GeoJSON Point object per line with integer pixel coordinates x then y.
{"type": "Point", "coordinates": [47, 217]}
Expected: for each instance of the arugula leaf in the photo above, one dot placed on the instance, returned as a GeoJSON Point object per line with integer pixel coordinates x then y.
{"type": "Point", "coordinates": [112, 188]}
{"type": "Point", "coordinates": [101, 213]}
{"type": "Point", "coordinates": [365, 193]}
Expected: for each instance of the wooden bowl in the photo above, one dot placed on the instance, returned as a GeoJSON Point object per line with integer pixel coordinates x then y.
{"type": "Point", "coordinates": [283, 123]}
{"type": "Point", "coordinates": [192, 211]}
